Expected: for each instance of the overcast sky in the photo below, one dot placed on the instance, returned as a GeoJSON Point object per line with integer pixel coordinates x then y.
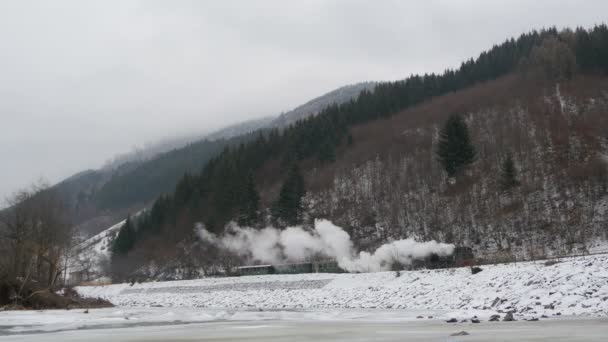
{"type": "Point", "coordinates": [83, 80]}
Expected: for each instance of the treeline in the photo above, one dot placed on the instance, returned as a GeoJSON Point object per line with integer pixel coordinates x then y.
{"type": "Point", "coordinates": [225, 189]}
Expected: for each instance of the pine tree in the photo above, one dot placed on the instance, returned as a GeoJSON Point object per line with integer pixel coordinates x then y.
{"type": "Point", "coordinates": [125, 239]}
{"type": "Point", "coordinates": [455, 151]}
{"type": "Point", "coordinates": [288, 207]}
{"type": "Point", "coordinates": [327, 152]}
{"type": "Point", "coordinates": [248, 213]}
{"type": "Point", "coordinates": [508, 178]}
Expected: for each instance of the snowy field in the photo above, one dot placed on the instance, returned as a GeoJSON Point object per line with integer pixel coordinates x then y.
{"type": "Point", "coordinates": [572, 287]}
{"type": "Point", "coordinates": [192, 324]}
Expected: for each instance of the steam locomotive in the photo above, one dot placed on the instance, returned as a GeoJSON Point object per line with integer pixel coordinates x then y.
{"type": "Point", "coordinates": [462, 256]}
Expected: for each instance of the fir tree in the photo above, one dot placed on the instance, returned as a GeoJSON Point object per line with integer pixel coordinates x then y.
{"type": "Point", "coordinates": [248, 215]}
{"type": "Point", "coordinates": [327, 152]}
{"type": "Point", "coordinates": [288, 207]}
{"type": "Point", "coordinates": [125, 239]}
{"type": "Point", "coordinates": [455, 151]}
{"type": "Point", "coordinates": [508, 178]}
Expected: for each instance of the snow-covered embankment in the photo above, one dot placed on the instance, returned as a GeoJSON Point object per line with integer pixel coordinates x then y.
{"type": "Point", "coordinates": [576, 286]}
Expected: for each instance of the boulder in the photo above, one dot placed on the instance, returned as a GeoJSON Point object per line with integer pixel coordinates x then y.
{"type": "Point", "coordinates": [475, 270]}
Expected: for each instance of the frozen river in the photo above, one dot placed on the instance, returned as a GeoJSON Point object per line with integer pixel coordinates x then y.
{"type": "Point", "coordinates": [292, 331]}
{"type": "Point", "coordinates": [161, 324]}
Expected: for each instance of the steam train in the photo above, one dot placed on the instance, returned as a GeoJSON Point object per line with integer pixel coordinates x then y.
{"type": "Point", "coordinates": [304, 267]}
{"type": "Point", "coordinates": [461, 257]}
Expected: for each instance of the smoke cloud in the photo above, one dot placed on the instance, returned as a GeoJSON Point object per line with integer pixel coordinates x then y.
{"type": "Point", "coordinates": [295, 244]}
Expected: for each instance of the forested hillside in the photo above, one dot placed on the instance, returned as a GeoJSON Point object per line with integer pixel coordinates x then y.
{"type": "Point", "coordinates": [522, 170]}
{"type": "Point", "coordinates": [131, 181]}
{"type": "Point", "coordinates": [537, 185]}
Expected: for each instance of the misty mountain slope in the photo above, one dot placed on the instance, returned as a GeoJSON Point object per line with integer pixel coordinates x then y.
{"type": "Point", "coordinates": [100, 198]}
{"type": "Point", "coordinates": [314, 106]}
{"type": "Point", "coordinates": [156, 176]}
{"type": "Point", "coordinates": [78, 192]}
{"type": "Point", "coordinates": [310, 108]}
{"type": "Point", "coordinates": [241, 128]}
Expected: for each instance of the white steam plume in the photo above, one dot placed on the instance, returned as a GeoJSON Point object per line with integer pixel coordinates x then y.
{"type": "Point", "coordinates": [295, 244]}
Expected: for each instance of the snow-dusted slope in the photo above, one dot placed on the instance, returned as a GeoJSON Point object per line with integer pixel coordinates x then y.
{"type": "Point", "coordinates": [90, 258]}
{"type": "Point", "coordinates": [571, 287]}
{"type": "Point", "coordinates": [101, 242]}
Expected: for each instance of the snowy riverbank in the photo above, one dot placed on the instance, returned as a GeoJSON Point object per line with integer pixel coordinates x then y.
{"type": "Point", "coordinates": [576, 286]}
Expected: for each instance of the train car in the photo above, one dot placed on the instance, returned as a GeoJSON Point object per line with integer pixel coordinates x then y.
{"type": "Point", "coordinates": [327, 267]}
{"type": "Point", "coordinates": [255, 270]}
{"type": "Point", "coordinates": [303, 267]}
{"type": "Point", "coordinates": [295, 268]}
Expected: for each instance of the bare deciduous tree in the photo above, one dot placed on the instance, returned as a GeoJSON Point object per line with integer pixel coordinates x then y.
{"type": "Point", "coordinates": [34, 234]}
